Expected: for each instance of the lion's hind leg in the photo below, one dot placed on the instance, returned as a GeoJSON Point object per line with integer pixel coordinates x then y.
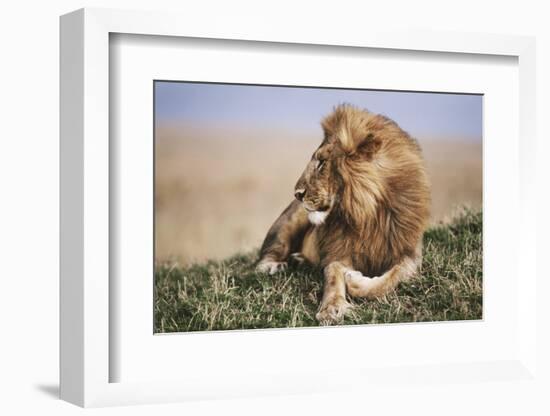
{"type": "Point", "coordinates": [361, 286]}
{"type": "Point", "coordinates": [283, 238]}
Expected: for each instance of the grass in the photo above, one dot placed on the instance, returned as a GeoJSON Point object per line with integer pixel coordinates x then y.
{"type": "Point", "coordinates": [229, 294]}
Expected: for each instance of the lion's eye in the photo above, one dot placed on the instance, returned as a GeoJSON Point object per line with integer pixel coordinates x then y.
{"type": "Point", "coordinates": [320, 164]}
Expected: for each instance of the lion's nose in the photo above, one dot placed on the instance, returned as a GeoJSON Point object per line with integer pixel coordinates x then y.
{"type": "Point", "coordinates": [299, 194]}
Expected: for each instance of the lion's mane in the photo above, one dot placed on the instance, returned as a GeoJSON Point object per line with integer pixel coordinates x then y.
{"type": "Point", "coordinates": [382, 208]}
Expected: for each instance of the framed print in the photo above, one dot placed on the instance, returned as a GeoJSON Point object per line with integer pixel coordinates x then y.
{"type": "Point", "coordinates": [243, 214]}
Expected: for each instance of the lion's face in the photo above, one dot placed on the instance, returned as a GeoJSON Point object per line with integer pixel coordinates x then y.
{"type": "Point", "coordinates": [317, 188]}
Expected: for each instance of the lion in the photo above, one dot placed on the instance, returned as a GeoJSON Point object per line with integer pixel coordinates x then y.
{"type": "Point", "coordinates": [360, 211]}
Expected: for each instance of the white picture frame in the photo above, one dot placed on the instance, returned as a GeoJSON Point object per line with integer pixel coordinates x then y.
{"type": "Point", "coordinates": [85, 353]}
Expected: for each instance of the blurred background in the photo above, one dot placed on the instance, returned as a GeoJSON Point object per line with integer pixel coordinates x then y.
{"type": "Point", "coordinates": [227, 157]}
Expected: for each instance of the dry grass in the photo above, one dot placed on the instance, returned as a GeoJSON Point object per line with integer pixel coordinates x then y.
{"type": "Point", "coordinates": [229, 294]}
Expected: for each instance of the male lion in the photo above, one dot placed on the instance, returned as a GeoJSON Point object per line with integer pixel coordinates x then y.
{"type": "Point", "coordinates": [361, 208]}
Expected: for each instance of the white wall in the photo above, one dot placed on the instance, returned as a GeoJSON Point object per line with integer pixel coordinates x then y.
{"type": "Point", "coordinates": [29, 181]}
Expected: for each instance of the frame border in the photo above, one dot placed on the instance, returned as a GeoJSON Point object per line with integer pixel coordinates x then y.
{"type": "Point", "coordinates": [84, 186]}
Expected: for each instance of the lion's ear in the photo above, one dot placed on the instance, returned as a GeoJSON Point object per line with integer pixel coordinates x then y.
{"type": "Point", "coordinates": [369, 146]}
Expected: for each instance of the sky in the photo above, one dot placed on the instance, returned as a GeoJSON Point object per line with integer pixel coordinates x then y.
{"type": "Point", "coordinates": [429, 115]}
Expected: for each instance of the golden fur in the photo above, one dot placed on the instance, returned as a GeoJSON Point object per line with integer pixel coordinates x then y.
{"type": "Point", "coordinates": [362, 207]}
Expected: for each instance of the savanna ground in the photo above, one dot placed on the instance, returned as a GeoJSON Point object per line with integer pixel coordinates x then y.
{"type": "Point", "coordinates": [219, 189]}
{"type": "Point", "coordinates": [229, 294]}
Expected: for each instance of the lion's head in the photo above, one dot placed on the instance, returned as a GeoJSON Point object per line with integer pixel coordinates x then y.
{"type": "Point", "coordinates": [345, 173]}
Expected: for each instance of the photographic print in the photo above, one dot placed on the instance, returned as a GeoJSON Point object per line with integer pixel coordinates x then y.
{"type": "Point", "coordinates": [290, 206]}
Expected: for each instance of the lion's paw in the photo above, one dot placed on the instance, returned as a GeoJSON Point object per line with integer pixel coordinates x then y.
{"type": "Point", "coordinates": [271, 267]}
{"type": "Point", "coordinates": [333, 311]}
{"type": "Point", "coordinates": [353, 274]}
{"type": "Point", "coordinates": [354, 277]}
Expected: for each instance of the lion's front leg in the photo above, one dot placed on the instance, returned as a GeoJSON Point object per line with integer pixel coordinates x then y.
{"type": "Point", "coordinates": [283, 238]}
{"type": "Point", "coordinates": [333, 305]}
